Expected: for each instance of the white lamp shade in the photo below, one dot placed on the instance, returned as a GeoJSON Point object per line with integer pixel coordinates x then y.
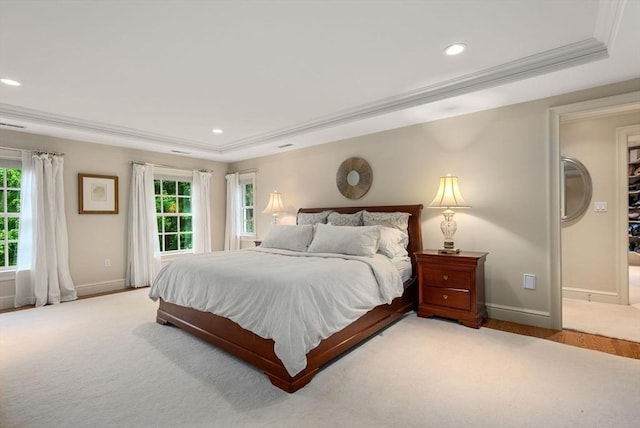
{"type": "Point", "coordinates": [448, 195]}
{"type": "Point", "coordinates": [275, 204]}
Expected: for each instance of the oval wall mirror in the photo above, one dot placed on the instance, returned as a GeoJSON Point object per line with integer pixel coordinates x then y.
{"type": "Point", "coordinates": [576, 189]}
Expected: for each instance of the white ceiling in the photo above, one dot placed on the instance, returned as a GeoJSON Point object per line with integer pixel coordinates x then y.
{"type": "Point", "coordinates": [161, 75]}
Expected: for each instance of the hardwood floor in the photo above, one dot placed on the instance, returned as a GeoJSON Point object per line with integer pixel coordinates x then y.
{"type": "Point", "coordinates": [622, 348]}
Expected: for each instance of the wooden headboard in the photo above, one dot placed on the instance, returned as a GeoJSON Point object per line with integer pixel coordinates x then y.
{"type": "Point", "coordinates": [415, 221]}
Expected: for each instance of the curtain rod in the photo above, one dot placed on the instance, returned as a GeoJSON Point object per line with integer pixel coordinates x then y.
{"type": "Point", "coordinates": [166, 166]}
{"type": "Point", "coordinates": [38, 152]}
{"type": "Point", "coordinates": [49, 153]}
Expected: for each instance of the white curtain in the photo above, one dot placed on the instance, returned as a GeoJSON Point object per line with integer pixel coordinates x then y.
{"type": "Point", "coordinates": [201, 211]}
{"type": "Point", "coordinates": [42, 272]}
{"type": "Point", "coordinates": [144, 249]}
{"type": "Point", "coordinates": [232, 226]}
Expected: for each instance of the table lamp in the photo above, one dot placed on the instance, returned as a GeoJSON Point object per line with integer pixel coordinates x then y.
{"type": "Point", "coordinates": [448, 196]}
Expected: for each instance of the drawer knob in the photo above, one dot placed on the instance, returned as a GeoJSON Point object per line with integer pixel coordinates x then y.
{"type": "Point", "coordinates": [445, 297]}
{"type": "Point", "coordinates": [446, 277]}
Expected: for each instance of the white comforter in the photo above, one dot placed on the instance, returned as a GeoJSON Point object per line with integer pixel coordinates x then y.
{"type": "Point", "coordinates": [295, 298]}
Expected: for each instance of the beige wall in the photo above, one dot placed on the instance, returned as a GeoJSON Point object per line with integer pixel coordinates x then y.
{"type": "Point", "coordinates": [501, 156]}
{"type": "Point", "coordinates": [589, 244]}
{"type": "Point", "coordinates": [96, 237]}
{"type": "Point", "coordinates": [502, 159]}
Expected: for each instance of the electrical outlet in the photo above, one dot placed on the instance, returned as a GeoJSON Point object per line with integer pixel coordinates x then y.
{"type": "Point", "coordinates": [529, 281]}
{"type": "Point", "coordinates": [107, 262]}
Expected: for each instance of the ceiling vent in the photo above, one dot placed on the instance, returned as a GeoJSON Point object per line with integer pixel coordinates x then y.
{"type": "Point", "coordinates": [11, 125]}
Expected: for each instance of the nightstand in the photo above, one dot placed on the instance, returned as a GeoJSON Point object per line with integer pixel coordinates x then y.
{"type": "Point", "coordinates": [452, 286]}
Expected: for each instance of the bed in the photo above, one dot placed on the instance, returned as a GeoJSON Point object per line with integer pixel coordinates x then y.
{"type": "Point", "coordinates": [259, 352]}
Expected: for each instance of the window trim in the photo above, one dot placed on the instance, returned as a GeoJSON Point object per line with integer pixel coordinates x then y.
{"type": "Point", "coordinates": [243, 179]}
{"type": "Point", "coordinates": [177, 175]}
{"type": "Point", "coordinates": [9, 159]}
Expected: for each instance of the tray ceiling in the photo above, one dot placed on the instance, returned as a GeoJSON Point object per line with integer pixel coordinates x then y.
{"type": "Point", "coordinates": [160, 76]}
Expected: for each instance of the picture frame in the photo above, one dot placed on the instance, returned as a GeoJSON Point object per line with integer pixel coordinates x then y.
{"type": "Point", "coordinates": [97, 194]}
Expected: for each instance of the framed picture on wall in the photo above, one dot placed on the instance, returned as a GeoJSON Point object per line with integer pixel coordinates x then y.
{"type": "Point", "coordinates": [97, 194]}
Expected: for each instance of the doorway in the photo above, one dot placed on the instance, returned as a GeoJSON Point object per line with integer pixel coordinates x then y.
{"type": "Point", "coordinates": [628, 140]}
{"type": "Point", "coordinates": [594, 247]}
{"type": "Point", "coordinates": [594, 108]}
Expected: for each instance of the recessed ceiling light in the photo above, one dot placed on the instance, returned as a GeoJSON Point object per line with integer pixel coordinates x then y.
{"type": "Point", "coordinates": [217, 131]}
{"type": "Point", "coordinates": [455, 49]}
{"type": "Point", "coordinates": [10, 82]}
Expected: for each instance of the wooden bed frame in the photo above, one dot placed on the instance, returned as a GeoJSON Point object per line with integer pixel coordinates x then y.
{"type": "Point", "coordinates": [229, 336]}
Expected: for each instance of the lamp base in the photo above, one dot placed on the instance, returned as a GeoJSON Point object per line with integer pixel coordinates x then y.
{"type": "Point", "coordinates": [448, 228]}
{"type": "Point", "coordinates": [448, 251]}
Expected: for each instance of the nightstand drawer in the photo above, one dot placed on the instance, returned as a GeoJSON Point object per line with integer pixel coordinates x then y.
{"type": "Point", "coordinates": [451, 298]}
{"type": "Point", "coordinates": [448, 278]}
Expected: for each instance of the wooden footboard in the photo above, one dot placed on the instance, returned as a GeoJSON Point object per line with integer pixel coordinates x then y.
{"type": "Point", "coordinates": [230, 337]}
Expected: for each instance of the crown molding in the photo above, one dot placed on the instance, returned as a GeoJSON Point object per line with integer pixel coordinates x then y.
{"type": "Point", "coordinates": [38, 117]}
{"type": "Point", "coordinates": [560, 58]}
{"type": "Point", "coordinates": [608, 20]}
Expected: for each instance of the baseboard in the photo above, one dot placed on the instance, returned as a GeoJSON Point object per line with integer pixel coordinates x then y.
{"type": "Point", "coordinates": [100, 287]}
{"type": "Point", "coordinates": [519, 315]}
{"type": "Point", "coordinates": [590, 295]}
{"type": "Point", "coordinates": [7, 302]}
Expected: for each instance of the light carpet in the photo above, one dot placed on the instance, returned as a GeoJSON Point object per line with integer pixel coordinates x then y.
{"type": "Point", "coordinates": [605, 319]}
{"type": "Point", "coordinates": [104, 362]}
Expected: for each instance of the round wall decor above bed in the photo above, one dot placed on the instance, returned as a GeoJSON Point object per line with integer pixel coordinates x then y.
{"type": "Point", "coordinates": [354, 178]}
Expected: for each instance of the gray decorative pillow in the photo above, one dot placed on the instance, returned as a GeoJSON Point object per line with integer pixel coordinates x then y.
{"type": "Point", "coordinates": [395, 220]}
{"type": "Point", "coordinates": [337, 219]}
{"type": "Point", "coordinates": [288, 237]}
{"type": "Point", "coordinates": [313, 218]}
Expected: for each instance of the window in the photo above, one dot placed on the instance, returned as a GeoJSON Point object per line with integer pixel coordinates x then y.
{"type": "Point", "coordinates": [9, 215]}
{"type": "Point", "coordinates": [247, 185]}
{"type": "Point", "coordinates": [173, 208]}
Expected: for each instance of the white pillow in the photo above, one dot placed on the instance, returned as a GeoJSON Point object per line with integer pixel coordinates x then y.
{"type": "Point", "coordinates": [393, 242]}
{"type": "Point", "coordinates": [289, 237]}
{"type": "Point", "coordinates": [352, 240]}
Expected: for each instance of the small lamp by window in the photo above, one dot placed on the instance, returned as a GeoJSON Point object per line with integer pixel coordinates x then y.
{"type": "Point", "coordinates": [274, 206]}
{"type": "Point", "coordinates": [448, 196]}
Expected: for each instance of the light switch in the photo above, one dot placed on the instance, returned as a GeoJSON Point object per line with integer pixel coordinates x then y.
{"type": "Point", "coordinates": [600, 207]}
